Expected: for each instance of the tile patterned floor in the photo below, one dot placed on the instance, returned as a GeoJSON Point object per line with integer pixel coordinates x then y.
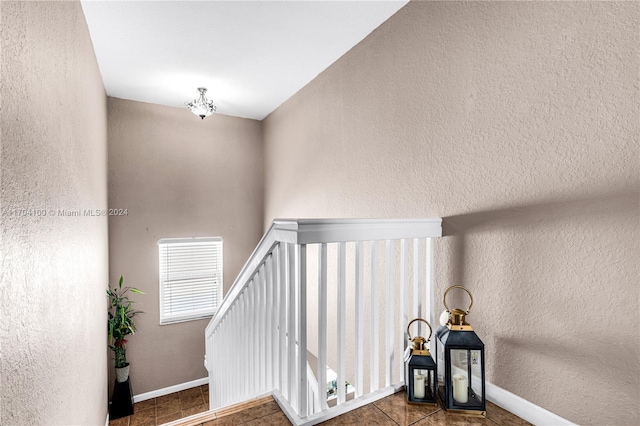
{"type": "Point", "coordinates": [157, 411]}
{"type": "Point", "coordinates": [392, 411]}
{"type": "Point", "coordinates": [268, 414]}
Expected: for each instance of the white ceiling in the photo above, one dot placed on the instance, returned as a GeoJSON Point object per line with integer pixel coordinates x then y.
{"type": "Point", "coordinates": [250, 55]}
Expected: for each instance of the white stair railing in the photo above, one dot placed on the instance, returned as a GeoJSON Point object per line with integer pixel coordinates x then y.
{"type": "Point", "coordinates": [380, 273]}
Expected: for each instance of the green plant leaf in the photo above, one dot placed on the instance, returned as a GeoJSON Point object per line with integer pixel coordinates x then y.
{"type": "Point", "coordinates": [120, 319]}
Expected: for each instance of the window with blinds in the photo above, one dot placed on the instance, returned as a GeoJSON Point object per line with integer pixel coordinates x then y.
{"type": "Point", "coordinates": [190, 278]}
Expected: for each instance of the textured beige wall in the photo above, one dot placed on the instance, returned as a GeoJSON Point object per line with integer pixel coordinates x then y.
{"type": "Point", "coordinates": [54, 269]}
{"type": "Point", "coordinates": [517, 122]}
{"type": "Point", "coordinates": [178, 176]}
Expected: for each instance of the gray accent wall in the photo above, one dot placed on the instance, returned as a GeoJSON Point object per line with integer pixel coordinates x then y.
{"type": "Point", "coordinates": [54, 266]}
{"type": "Point", "coordinates": [177, 176]}
{"type": "Point", "coordinates": [517, 122]}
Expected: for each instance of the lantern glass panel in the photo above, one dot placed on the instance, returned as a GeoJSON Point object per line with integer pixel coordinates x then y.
{"type": "Point", "coordinates": [466, 378]}
{"type": "Point", "coordinates": [476, 373]}
{"type": "Point", "coordinates": [420, 379]}
{"type": "Point", "coordinates": [423, 384]}
{"type": "Point", "coordinates": [440, 365]}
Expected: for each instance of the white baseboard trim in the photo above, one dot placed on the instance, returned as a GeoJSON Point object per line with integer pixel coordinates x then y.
{"type": "Point", "coordinates": [522, 408]}
{"type": "Point", "coordinates": [170, 389]}
{"type": "Point", "coordinates": [106, 423]}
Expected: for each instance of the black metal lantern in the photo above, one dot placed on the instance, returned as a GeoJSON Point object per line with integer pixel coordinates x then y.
{"type": "Point", "coordinates": [420, 369]}
{"type": "Point", "coordinates": [460, 357]}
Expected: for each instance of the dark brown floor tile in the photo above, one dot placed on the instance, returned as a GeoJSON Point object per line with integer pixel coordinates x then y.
{"type": "Point", "coordinates": [169, 407]}
{"type": "Point", "coordinates": [194, 410]}
{"type": "Point", "coordinates": [275, 419]}
{"type": "Point", "coordinates": [161, 400]}
{"type": "Point", "coordinates": [169, 418]}
{"type": "Point", "coordinates": [143, 405]}
{"type": "Point", "coordinates": [224, 421]}
{"type": "Point", "coordinates": [396, 407]}
{"type": "Point", "coordinates": [191, 401]}
{"type": "Point", "coordinates": [189, 393]}
{"type": "Point", "coordinates": [143, 417]}
{"type": "Point", "coordinates": [367, 415]}
{"type": "Point", "coordinates": [502, 417]}
{"type": "Point", "coordinates": [444, 418]}
{"type": "Point", "coordinates": [122, 421]}
{"type": "Point", "coordinates": [262, 410]}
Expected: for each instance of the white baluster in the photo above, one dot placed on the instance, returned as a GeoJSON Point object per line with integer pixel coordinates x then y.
{"type": "Point", "coordinates": [221, 360]}
{"type": "Point", "coordinates": [302, 330]}
{"type": "Point", "coordinates": [404, 291]}
{"type": "Point", "coordinates": [260, 354]}
{"type": "Point", "coordinates": [213, 376]}
{"type": "Point", "coordinates": [374, 364]}
{"type": "Point", "coordinates": [291, 329]}
{"type": "Point", "coordinates": [226, 327]}
{"type": "Point", "coordinates": [269, 323]}
{"type": "Point", "coordinates": [431, 313]}
{"type": "Point", "coordinates": [225, 358]}
{"type": "Point", "coordinates": [217, 365]}
{"type": "Point", "coordinates": [322, 325]}
{"type": "Point", "coordinates": [219, 372]}
{"type": "Point", "coordinates": [275, 320]}
{"type": "Point", "coordinates": [284, 353]}
{"type": "Point", "coordinates": [255, 377]}
{"type": "Point", "coordinates": [359, 377]}
{"type": "Point", "coordinates": [212, 360]}
{"type": "Point", "coordinates": [389, 309]}
{"type": "Point", "coordinates": [417, 283]}
{"type": "Point", "coordinates": [342, 319]}
{"type": "Point", "coordinates": [247, 311]}
{"type": "Point", "coordinates": [229, 348]}
{"type": "Point", "coordinates": [252, 336]}
{"type": "Point", "coordinates": [237, 336]}
{"type": "Point", "coordinates": [245, 339]}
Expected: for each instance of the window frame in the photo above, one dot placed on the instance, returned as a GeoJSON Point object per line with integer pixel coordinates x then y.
{"type": "Point", "coordinates": [174, 319]}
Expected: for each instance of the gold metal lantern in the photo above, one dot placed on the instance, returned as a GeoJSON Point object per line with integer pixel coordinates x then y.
{"type": "Point", "coordinates": [460, 362]}
{"type": "Point", "coordinates": [420, 369]}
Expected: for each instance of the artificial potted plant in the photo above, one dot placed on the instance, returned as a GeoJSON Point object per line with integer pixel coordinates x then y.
{"type": "Point", "coordinates": [120, 325]}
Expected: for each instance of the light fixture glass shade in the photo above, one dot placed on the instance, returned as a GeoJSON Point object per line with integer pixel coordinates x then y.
{"type": "Point", "coordinates": [201, 106]}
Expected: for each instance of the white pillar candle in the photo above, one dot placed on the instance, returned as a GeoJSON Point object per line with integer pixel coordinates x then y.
{"type": "Point", "coordinates": [460, 389]}
{"type": "Point", "coordinates": [418, 386]}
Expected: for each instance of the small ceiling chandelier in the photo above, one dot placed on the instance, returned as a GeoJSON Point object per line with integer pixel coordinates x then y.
{"type": "Point", "coordinates": [201, 106]}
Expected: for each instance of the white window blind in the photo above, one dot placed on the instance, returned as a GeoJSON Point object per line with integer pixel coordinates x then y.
{"type": "Point", "coordinates": [190, 278]}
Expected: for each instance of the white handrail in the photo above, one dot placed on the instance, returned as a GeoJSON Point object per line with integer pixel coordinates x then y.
{"type": "Point", "coordinates": [260, 327]}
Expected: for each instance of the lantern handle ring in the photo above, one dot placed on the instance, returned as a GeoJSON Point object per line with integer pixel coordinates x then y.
{"type": "Point", "coordinates": [444, 298]}
{"type": "Point", "coordinates": [424, 321]}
